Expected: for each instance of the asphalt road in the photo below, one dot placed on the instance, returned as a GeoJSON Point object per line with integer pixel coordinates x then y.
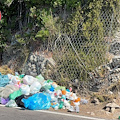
{"type": "Point", "coordinates": [17, 114]}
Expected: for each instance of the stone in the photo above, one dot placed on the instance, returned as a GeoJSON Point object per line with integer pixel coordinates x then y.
{"type": "Point", "coordinates": [39, 63]}
{"type": "Point", "coordinates": [114, 100]}
{"type": "Point", "coordinates": [43, 64]}
{"type": "Point", "coordinates": [41, 58]}
{"type": "Point", "coordinates": [31, 58]}
{"type": "Point", "coordinates": [35, 59]}
{"type": "Point", "coordinates": [33, 66]}
{"type": "Point", "coordinates": [115, 48]}
{"type": "Point", "coordinates": [110, 92]}
{"type": "Point", "coordinates": [112, 105]}
{"type": "Point", "coordinates": [117, 70]}
{"type": "Point", "coordinates": [29, 64]}
{"type": "Point", "coordinates": [34, 70]}
{"type": "Point", "coordinates": [92, 113]}
{"type": "Point", "coordinates": [107, 113]}
{"type": "Point", "coordinates": [33, 74]}
{"type": "Point", "coordinates": [112, 110]}
{"type": "Point", "coordinates": [76, 81]}
{"type": "Point", "coordinates": [107, 109]}
{"type": "Point", "coordinates": [95, 101]}
{"type": "Point", "coordinates": [29, 69]}
{"type": "Point", "coordinates": [113, 78]}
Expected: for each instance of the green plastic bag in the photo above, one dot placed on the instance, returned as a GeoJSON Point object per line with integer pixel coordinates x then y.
{"type": "Point", "coordinates": [60, 88]}
{"type": "Point", "coordinates": [47, 87]}
{"type": "Point", "coordinates": [21, 76]}
{"type": "Point", "coordinates": [15, 94]}
{"type": "Point", "coordinates": [49, 81]}
{"type": "Point", "coordinates": [61, 105]}
{"type": "Point", "coordinates": [40, 78]}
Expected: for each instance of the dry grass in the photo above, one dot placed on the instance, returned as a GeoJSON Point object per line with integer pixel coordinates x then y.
{"type": "Point", "coordinates": [105, 96]}
{"type": "Point", "coordinates": [5, 70]}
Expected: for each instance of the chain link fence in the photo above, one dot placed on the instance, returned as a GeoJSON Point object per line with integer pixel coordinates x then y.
{"type": "Point", "coordinates": [79, 60]}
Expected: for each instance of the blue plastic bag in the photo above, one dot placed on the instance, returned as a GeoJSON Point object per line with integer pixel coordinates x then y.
{"type": "Point", "coordinates": [4, 80]}
{"type": "Point", "coordinates": [37, 101]}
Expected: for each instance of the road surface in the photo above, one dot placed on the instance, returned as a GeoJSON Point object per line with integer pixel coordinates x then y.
{"type": "Point", "coordinates": [21, 114]}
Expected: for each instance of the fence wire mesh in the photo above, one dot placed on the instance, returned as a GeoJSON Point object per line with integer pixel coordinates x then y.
{"type": "Point", "coordinates": [78, 59]}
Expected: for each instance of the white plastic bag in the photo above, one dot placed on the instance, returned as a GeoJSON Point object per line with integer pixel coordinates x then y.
{"type": "Point", "coordinates": [66, 104]}
{"type": "Point", "coordinates": [11, 103]}
{"type": "Point", "coordinates": [28, 80]}
{"type": "Point", "coordinates": [35, 87]}
{"type": "Point", "coordinates": [53, 98]}
{"type": "Point", "coordinates": [10, 76]}
{"type": "Point", "coordinates": [25, 89]}
{"type": "Point", "coordinates": [15, 80]}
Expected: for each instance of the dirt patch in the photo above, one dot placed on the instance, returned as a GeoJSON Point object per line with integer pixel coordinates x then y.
{"type": "Point", "coordinates": [92, 110]}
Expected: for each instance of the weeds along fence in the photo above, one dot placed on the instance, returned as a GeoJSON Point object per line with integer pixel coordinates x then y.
{"type": "Point", "coordinates": [80, 57]}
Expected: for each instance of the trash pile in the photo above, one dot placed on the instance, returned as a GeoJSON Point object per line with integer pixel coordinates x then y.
{"type": "Point", "coordinates": [35, 93]}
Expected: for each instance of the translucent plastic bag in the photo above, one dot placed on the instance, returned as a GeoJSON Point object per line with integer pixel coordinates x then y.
{"type": "Point", "coordinates": [28, 80]}
{"type": "Point", "coordinates": [4, 101]}
{"type": "Point", "coordinates": [8, 90]}
{"type": "Point", "coordinates": [38, 101]}
{"type": "Point", "coordinates": [11, 103]}
{"type": "Point", "coordinates": [60, 88]}
{"type": "Point", "coordinates": [4, 80]}
{"type": "Point", "coordinates": [16, 80]}
{"type": "Point", "coordinates": [40, 79]}
{"type": "Point", "coordinates": [35, 87]}
{"type": "Point", "coordinates": [10, 76]}
{"type": "Point", "coordinates": [25, 89]}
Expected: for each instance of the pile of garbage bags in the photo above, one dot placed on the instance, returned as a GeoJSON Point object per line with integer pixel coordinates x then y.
{"type": "Point", "coordinates": [35, 93]}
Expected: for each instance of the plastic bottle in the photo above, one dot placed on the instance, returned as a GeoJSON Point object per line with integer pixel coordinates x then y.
{"type": "Point", "coordinates": [71, 109]}
{"type": "Point", "coordinates": [77, 109]}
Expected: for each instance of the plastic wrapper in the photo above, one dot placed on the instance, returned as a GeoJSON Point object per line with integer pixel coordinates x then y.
{"type": "Point", "coordinates": [25, 89]}
{"type": "Point", "coordinates": [60, 88]}
{"type": "Point", "coordinates": [4, 80]}
{"type": "Point", "coordinates": [38, 101]}
{"type": "Point", "coordinates": [40, 79]}
{"type": "Point", "coordinates": [83, 101]}
{"type": "Point", "coordinates": [19, 98]}
{"type": "Point", "coordinates": [11, 103]}
{"type": "Point", "coordinates": [35, 87]}
{"type": "Point", "coordinates": [15, 80]}
{"type": "Point", "coordinates": [8, 90]}
{"type": "Point", "coordinates": [28, 80]}
{"type": "Point", "coordinates": [4, 101]}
